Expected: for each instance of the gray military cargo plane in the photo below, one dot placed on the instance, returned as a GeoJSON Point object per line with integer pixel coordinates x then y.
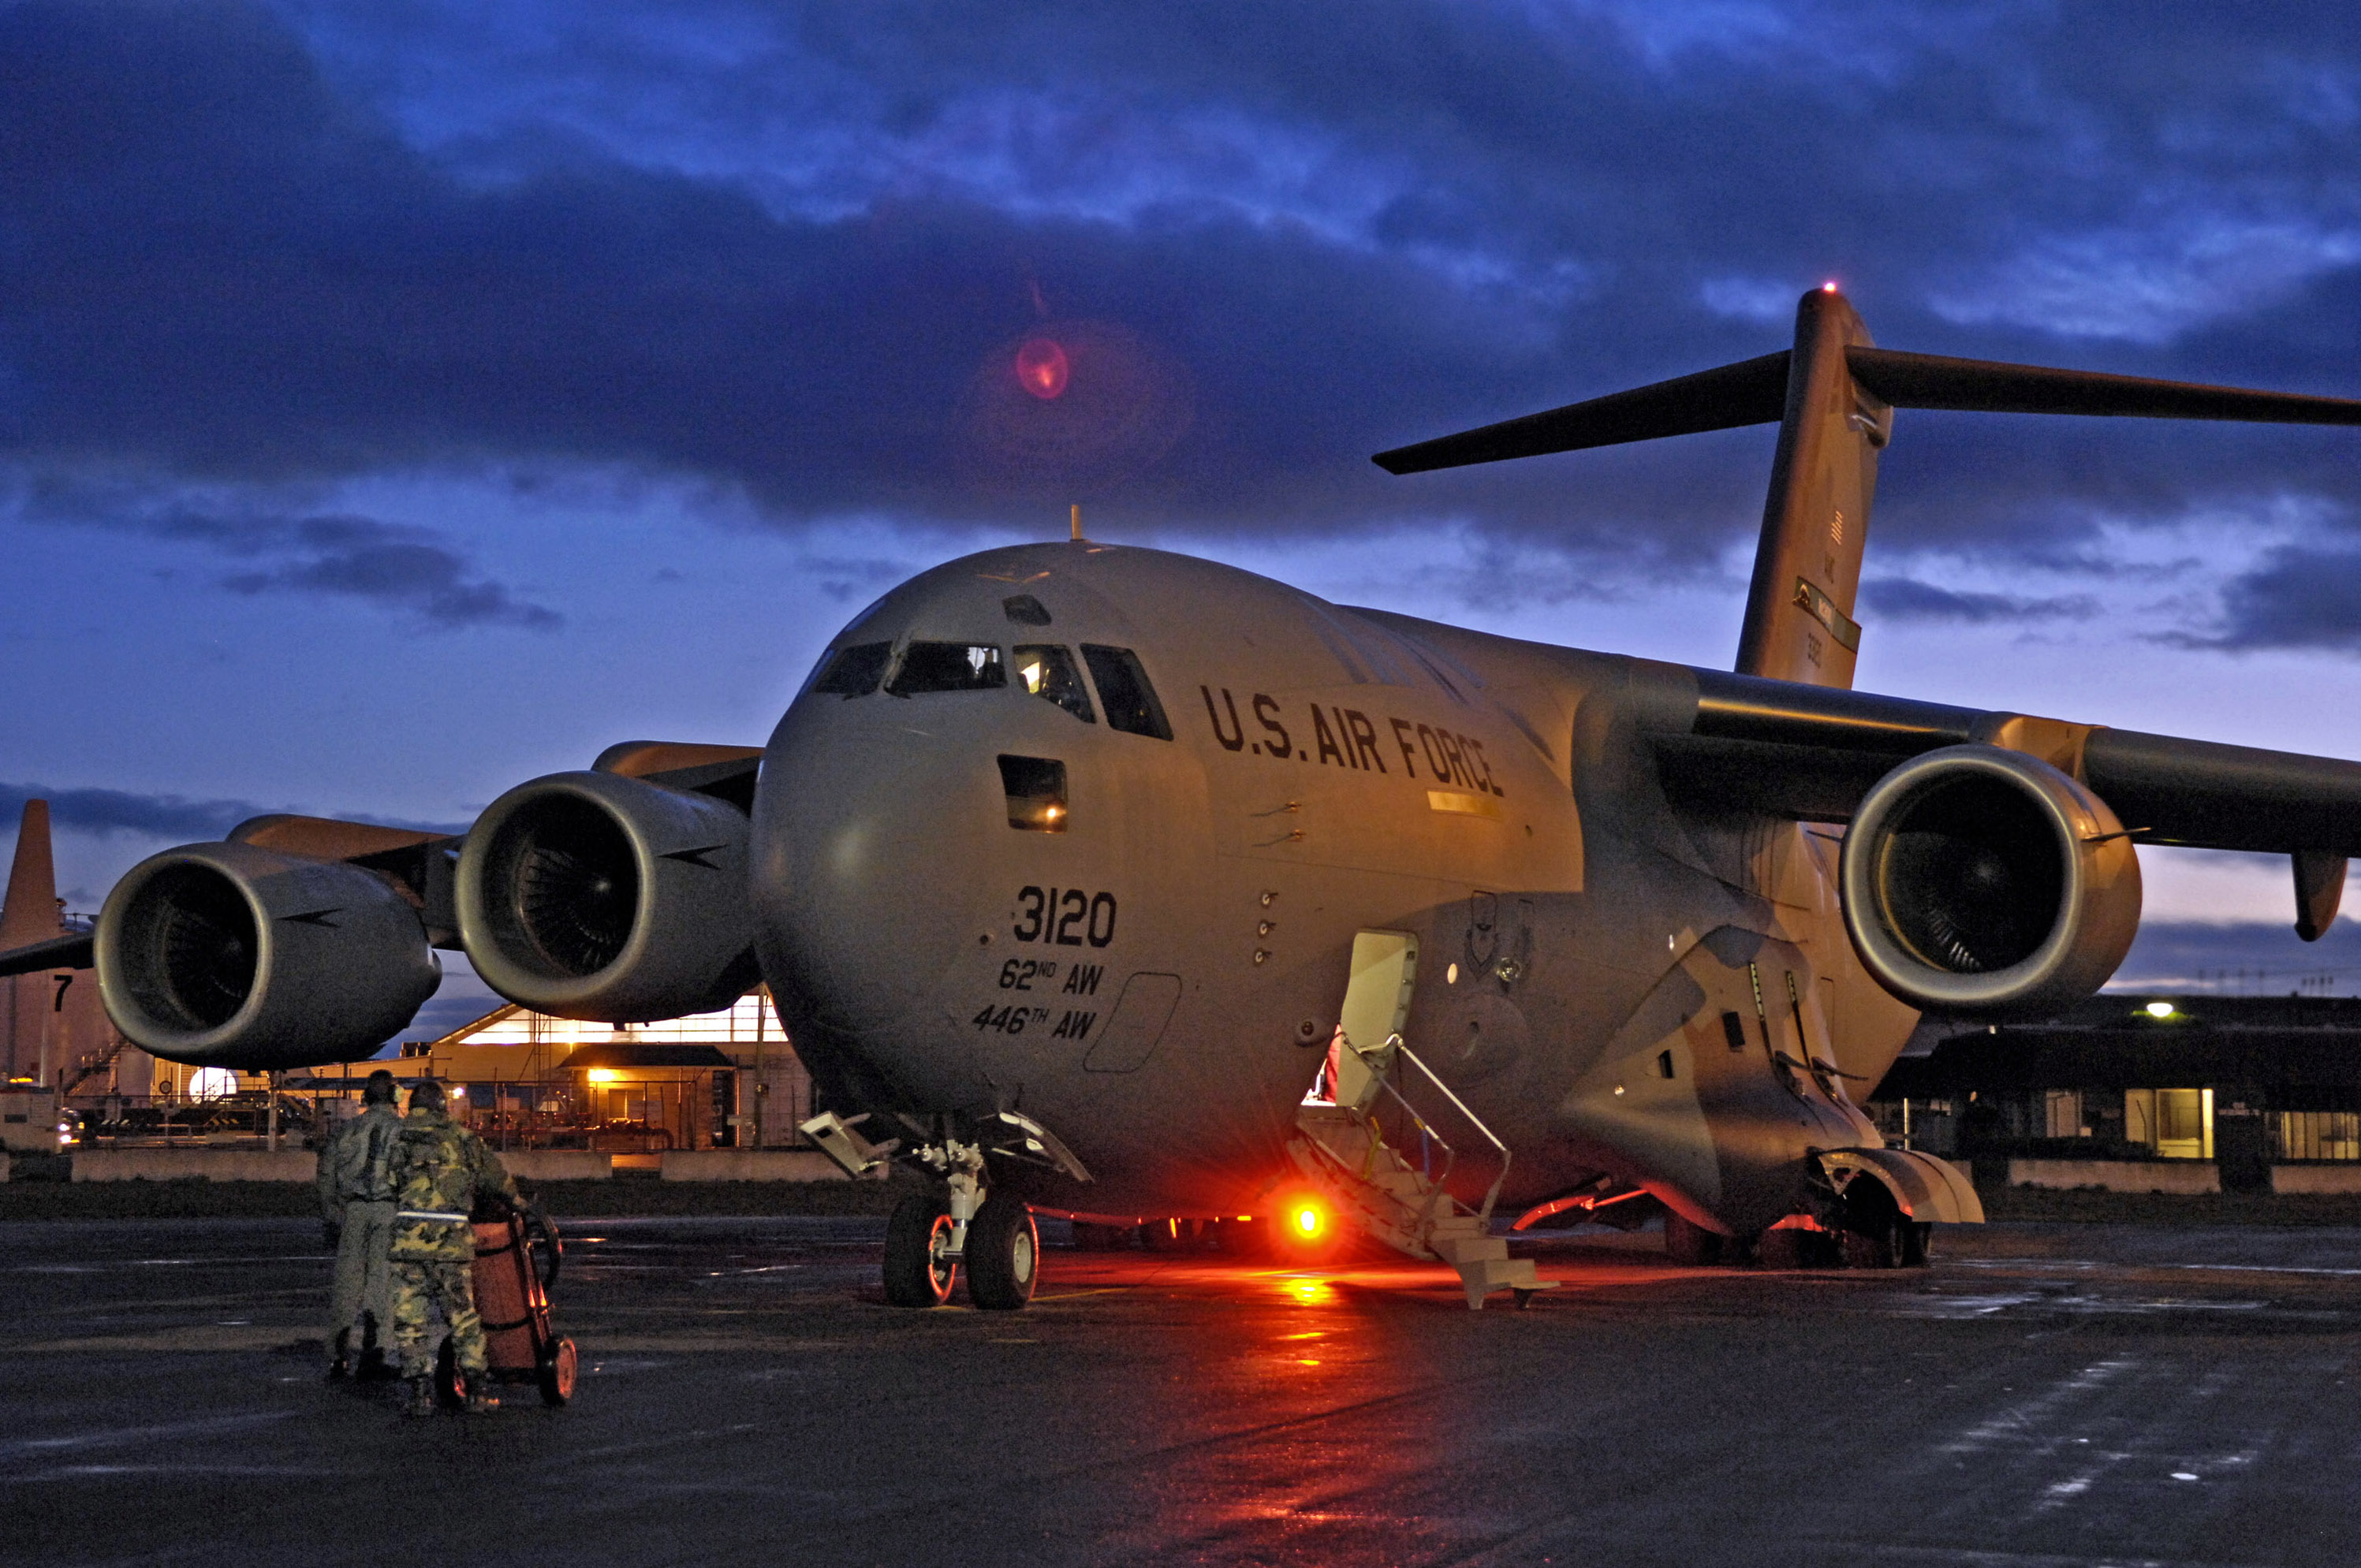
{"type": "Point", "coordinates": [1115, 882]}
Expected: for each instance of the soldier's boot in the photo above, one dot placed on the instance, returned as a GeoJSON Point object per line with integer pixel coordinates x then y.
{"type": "Point", "coordinates": [420, 1401]}
{"type": "Point", "coordinates": [373, 1366]}
{"type": "Point", "coordinates": [480, 1401]}
{"type": "Point", "coordinates": [340, 1364]}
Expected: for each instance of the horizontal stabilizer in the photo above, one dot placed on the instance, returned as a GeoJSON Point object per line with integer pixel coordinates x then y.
{"type": "Point", "coordinates": [1755, 391]}
{"type": "Point", "coordinates": [1932, 381]}
{"type": "Point", "coordinates": [1752, 391]}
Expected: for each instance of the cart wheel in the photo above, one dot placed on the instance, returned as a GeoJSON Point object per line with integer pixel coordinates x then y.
{"type": "Point", "coordinates": [917, 1272]}
{"type": "Point", "coordinates": [450, 1384]}
{"type": "Point", "coordinates": [557, 1369]}
{"type": "Point", "coordinates": [549, 1248]}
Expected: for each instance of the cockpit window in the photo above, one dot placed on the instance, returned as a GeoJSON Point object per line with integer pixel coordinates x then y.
{"type": "Point", "coordinates": [1130, 701]}
{"type": "Point", "coordinates": [948, 667]}
{"type": "Point", "coordinates": [854, 672]}
{"type": "Point", "coordinates": [1049, 672]}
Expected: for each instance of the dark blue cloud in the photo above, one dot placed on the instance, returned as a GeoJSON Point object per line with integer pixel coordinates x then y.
{"type": "Point", "coordinates": [781, 248]}
{"type": "Point", "coordinates": [363, 559]}
{"type": "Point", "coordinates": [1906, 599]}
{"type": "Point", "coordinates": [2297, 596]}
{"type": "Point", "coordinates": [110, 811]}
{"type": "Point", "coordinates": [399, 566]}
{"type": "Point", "coordinates": [2246, 958]}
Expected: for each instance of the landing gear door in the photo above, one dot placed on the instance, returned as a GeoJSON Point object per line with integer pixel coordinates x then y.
{"type": "Point", "coordinates": [1377, 1006]}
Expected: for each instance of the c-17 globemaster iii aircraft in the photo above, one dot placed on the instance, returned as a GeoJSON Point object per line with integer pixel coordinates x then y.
{"type": "Point", "coordinates": [1075, 869]}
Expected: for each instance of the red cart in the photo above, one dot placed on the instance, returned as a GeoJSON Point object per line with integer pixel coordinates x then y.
{"type": "Point", "coordinates": [517, 1259]}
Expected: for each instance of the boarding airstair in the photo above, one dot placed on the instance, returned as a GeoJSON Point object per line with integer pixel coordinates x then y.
{"type": "Point", "coordinates": [1342, 1148]}
{"type": "Point", "coordinates": [91, 1066]}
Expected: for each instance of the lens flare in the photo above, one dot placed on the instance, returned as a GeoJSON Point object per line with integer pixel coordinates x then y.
{"type": "Point", "coordinates": [1042, 368]}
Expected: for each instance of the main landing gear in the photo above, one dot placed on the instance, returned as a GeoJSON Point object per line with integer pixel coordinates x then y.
{"type": "Point", "coordinates": [1003, 1253]}
{"type": "Point", "coordinates": [966, 1221]}
{"type": "Point", "coordinates": [1866, 1229]}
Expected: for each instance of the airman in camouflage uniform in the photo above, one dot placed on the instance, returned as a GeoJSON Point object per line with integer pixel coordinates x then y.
{"type": "Point", "coordinates": [357, 1207]}
{"type": "Point", "coordinates": [439, 1170]}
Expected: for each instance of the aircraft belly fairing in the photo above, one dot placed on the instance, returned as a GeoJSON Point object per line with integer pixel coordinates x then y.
{"type": "Point", "coordinates": [1718, 1090]}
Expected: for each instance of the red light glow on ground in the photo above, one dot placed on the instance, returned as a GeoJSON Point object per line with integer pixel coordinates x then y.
{"type": "Point", "coordinates": [1042, 368]}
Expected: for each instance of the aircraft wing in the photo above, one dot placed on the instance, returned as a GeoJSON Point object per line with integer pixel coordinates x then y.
{"type": "Point", "coordinates": [1812, 752]}
{"type": "Point", "coordinates": [301, 939]}
{"type": "Point", "coordinates": [69, 951]}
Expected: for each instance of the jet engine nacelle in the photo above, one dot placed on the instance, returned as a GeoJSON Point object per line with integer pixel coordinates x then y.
{"type": "Point", "coordinates": [1984, 883]}
{"type": "Point", "coordinates": [593, 895]}
{"type": "Point", "coordinates": [230, 956]}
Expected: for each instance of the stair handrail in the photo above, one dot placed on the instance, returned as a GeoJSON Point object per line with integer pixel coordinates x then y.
{"type": "Point", "coordinates": [91, 1065]}
{"type": "Point", "coordinates": [1435, 1183]}
{"type": "Point", "coordinates": [1492, 1195]}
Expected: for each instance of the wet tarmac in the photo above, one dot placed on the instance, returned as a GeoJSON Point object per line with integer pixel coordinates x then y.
{"type": "Point", "coordinates": [2068, 1394]}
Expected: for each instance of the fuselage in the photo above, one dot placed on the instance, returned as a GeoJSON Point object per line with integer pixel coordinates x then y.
{"type": "Point", "coordinates": [985, 883]}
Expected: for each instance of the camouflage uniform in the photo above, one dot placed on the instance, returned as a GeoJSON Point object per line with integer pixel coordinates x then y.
{"type": "Point", "coordinates": [357, 1199]}
{"type": "Point", "coordinates": [439, 1168]}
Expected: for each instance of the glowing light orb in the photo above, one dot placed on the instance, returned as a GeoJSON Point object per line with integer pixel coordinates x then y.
{"type": "Point", "coordinates": [1307, 1220]}
{"type": "Point", "coordinates": [2159, 1009]}
{"type": "Point", "coordinates": [1042, 368]}
{"type": "Point", "coordinates": [1829, 287]}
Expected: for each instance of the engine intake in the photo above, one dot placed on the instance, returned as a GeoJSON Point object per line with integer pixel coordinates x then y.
{"type": "Point", "coordinates": [1982, 881]}
{"type": "Point", "coordinates": [226, 955]}
{"type": "Point", "coordinates": [592, 896]}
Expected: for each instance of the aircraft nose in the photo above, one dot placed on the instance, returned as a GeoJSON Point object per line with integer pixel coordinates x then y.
{"type": "Point", "coordinates": [863, 834]}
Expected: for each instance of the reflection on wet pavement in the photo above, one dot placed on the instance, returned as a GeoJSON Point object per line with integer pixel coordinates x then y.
{"type": "Point", "coordinates": [2042, 1394]}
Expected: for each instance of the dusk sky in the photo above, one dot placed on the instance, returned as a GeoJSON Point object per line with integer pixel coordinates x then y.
{"type": "Point", "coordinates": [401, 399]}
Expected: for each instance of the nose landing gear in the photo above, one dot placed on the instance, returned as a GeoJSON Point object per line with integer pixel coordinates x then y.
{"type": "Point", "coordinates": [931, 1235]}
{"type": "Point", "coordinates": [919, 1266]}
{"type": "Point", "coordinates": [1004, 1250]}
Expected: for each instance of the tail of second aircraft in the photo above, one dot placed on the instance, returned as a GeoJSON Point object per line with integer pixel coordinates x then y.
{"type": "Point", "coordinates": [1834, 394]}
{"type": "Point", "coordinates": [30, 911]}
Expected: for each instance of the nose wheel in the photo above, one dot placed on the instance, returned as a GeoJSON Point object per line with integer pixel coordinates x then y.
{"type": "Point", "coordinates": [919, 1266]}
{"type": "Point", "coordinates": [1003, 1252]}
{"type": "Point", "coordinates": [931, 1235]}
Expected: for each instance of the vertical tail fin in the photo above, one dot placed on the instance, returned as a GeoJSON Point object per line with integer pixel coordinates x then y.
{"type": "Point", "coordinates": [1799, 624]}
{"type": "Point", "coordinates": [29, 914]}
